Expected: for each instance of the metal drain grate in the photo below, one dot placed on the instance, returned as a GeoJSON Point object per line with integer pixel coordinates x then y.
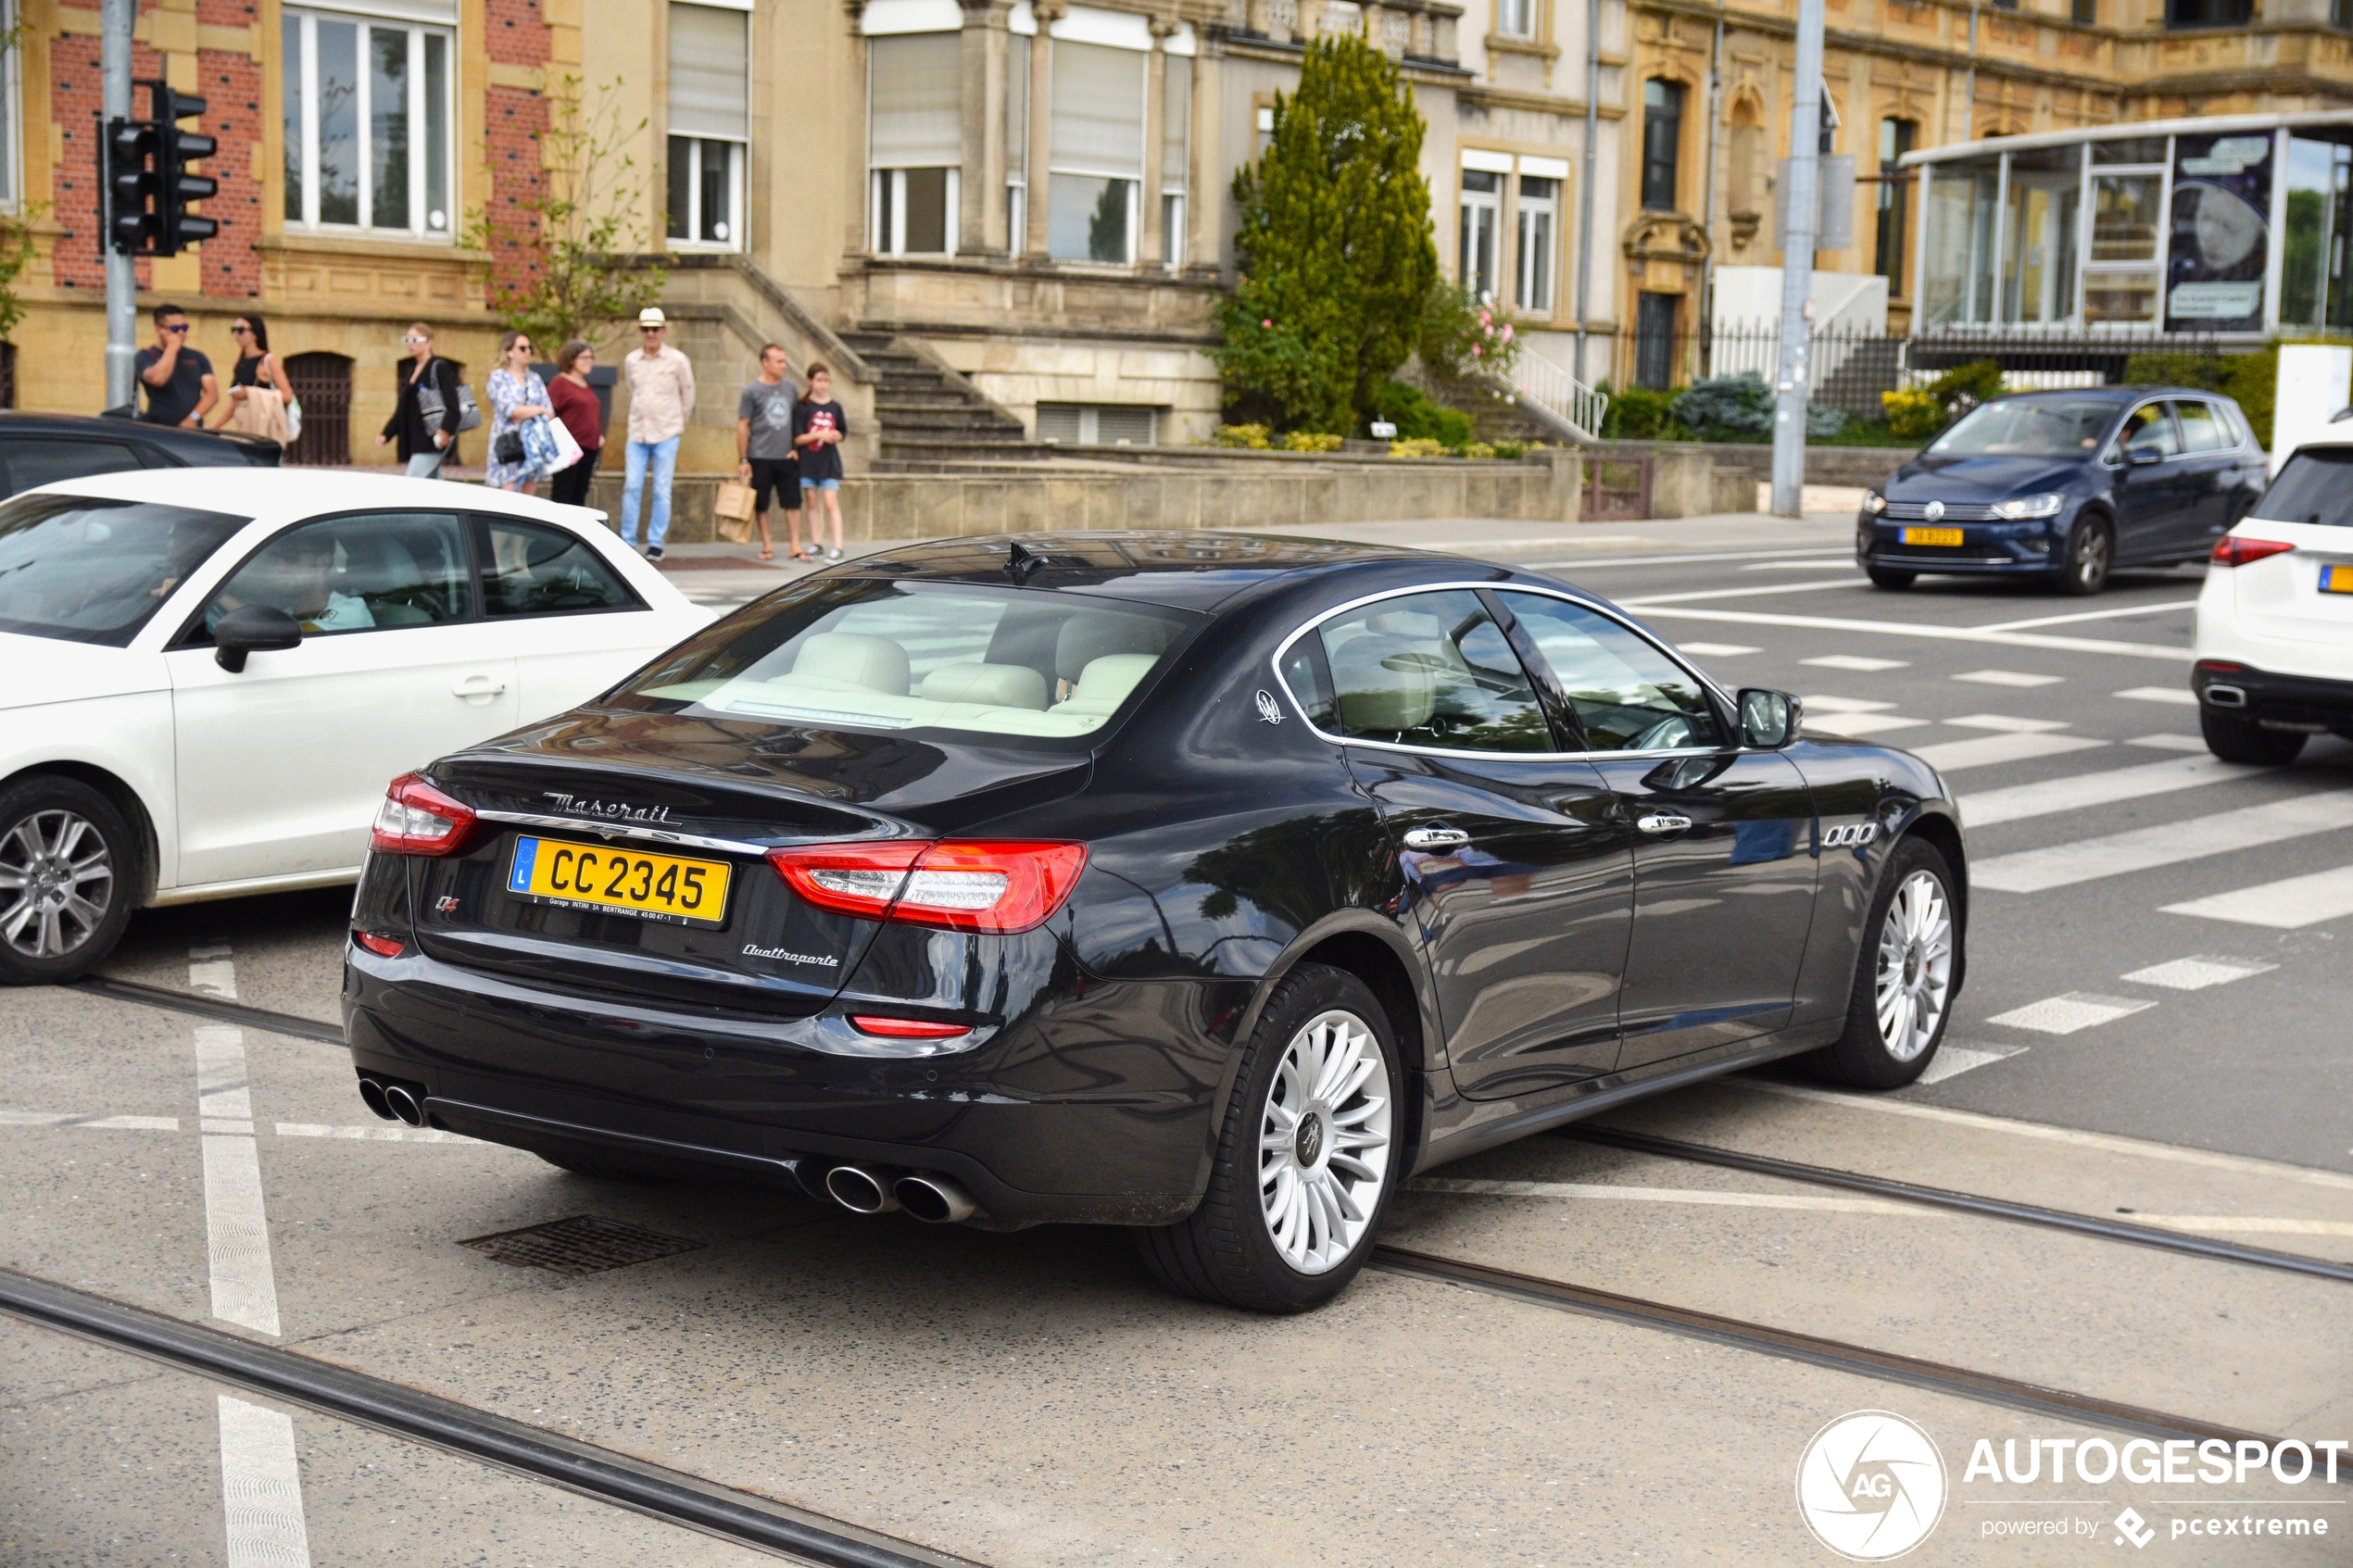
{"type": "Point", "coordinates": [582, 1245]}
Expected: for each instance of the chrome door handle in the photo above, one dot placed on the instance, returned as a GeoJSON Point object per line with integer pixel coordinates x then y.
{"type": "Point", "coordinates": [1662, 822]}
{"type": "Point", "coordinates": [1435, 839]}
{"type": "Point", "coordinates": [478, 685]}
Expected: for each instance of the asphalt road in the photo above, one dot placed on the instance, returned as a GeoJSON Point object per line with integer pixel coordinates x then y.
{"type": "Point", "coordinates": [1031, 1399]}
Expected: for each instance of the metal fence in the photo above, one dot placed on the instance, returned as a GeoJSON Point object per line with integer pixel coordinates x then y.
{"type": "Point", "coordinates": [1853, 365]}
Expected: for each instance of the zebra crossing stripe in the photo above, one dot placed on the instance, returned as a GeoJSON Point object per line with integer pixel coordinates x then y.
{"type": "Point", "coordinates": [2286, 905]}
{"type": "Point", "coordinates": [2080, 791]}
{"type": "Point", "coordinates": [1987, 751]}
{"type": "Point", "coordinates": [2088, 860]}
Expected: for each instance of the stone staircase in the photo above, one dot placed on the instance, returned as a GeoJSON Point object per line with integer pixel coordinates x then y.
{"type": "Point", "coordinates": [930, 418]}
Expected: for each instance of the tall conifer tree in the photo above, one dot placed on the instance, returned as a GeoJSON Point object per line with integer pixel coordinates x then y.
{"type": "Point", "coordinates": [1335, 246]}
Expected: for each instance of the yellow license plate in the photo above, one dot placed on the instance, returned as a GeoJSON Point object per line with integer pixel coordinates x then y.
{"type": "Point", "coordinates": [2336, 580]}
{"type": "Point", "coordinates": [1931, 536]}
{"type": "Point", "coordinates": [619, 879]}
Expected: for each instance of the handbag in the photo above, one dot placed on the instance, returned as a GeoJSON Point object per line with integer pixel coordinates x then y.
{"type": "Point", "coordinates": [568, 450]}
{"type": "Point", "coordinates": [732, 509]}
{"type": "Point", "coordinates": [292, 410]}
{"type": "Point", "coordinates": [429, 405]}
{"type": "Point", "coordinates": [508, 448]}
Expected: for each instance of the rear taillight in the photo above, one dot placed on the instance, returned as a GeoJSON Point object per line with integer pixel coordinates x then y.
{"type": "Point", "coordinates": [2235, 550]}
{"type": "Point", "coordinates": [417, 819]}
{"type": "Point", "coordinates": [383, 947]}
{"type": "Point", "coordinates": [1001, 885]}
{"type": "Point", "coordinates": [906, 1028]}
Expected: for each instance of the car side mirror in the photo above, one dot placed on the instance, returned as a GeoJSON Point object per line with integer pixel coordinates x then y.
{"type": "Point", "coordinates": [1769, 719]}
{"type": "Point", "coordinates": [253, 629]}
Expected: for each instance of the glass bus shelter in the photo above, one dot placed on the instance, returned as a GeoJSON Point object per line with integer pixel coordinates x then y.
{"type": "Point", "coordinates": [2232, 226]}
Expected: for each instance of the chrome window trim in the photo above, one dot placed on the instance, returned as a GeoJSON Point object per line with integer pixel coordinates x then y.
{"type": "Point", "coordinates": [622, 830]}
{"type": "Point", "coordinates": [1276, 665]}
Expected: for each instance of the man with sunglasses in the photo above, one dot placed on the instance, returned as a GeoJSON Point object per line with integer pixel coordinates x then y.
{"type": "Point", "coordinates": [178, 379]}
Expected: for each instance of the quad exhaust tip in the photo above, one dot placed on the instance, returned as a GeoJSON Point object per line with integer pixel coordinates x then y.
{"type": "Point", "coordinates": [935, 1200]}
{"type": "Point", "coordinates": [405, 1105]}
{"type": "Point", "coordinates": [372, 1095]}
{"type": "Point", "coordinates": [861, 1191]}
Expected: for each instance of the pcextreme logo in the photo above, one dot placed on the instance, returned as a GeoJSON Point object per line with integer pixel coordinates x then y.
{"type": "Point", "coordinates": [1872, 1485]}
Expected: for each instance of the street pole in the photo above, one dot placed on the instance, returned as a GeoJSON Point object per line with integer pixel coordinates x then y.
{"type": "Point", "coordinates": [122, 271]}
{"type": "Point", "coordinates": [1585, 185]}
{"type": "Point", "coordinates": [1791, 384]}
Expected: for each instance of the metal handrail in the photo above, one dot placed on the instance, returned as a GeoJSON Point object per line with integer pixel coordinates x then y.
{"type": "Point", "coordinates": [1581, 406]}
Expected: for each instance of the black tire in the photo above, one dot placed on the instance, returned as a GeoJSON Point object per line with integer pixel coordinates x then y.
{"type": "Point", "coordinates": [60, 939]}
{"type": "Point", "coordinates": [1861, 1057]}
{"type": "Point", "coordinates": [1226, 1252]}
{"type": "Point", "coordinates": [2090, 554]}
{"type": "Point", "coordinates": [2244, 740]}
{"type": "Point", "coordinates": [1888, 577]}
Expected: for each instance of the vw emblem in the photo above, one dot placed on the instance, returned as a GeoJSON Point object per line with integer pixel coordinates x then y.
{"type": "Point", "coordinates": [1268, 708]}
{"type": "Point", "coordinates": [1933, 511]}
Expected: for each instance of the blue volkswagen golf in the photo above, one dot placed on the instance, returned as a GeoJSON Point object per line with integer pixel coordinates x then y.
{"type": "Point", "coordinates": [2064, 487]}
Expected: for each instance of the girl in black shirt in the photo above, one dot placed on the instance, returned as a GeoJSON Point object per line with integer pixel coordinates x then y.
{"type": "Point", "coordinates": [818, 425]}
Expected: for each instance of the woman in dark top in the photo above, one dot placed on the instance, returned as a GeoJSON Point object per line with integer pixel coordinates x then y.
{"type": "Point", "coordinates": [575, 404]}
{"type": "Point", "coordinates": [424, 448]}
{"type": "Point", "coordinates": [259, 390]}
{"type": "Point", "coordinates": [818, 425]}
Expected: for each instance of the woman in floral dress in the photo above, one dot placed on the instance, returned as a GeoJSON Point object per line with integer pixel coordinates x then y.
{"type": "Point", "coordinates": [517, 397]}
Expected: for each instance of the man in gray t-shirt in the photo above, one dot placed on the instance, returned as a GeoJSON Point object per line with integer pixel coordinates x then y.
{"type": "Point", "coordinates": [765, 455]}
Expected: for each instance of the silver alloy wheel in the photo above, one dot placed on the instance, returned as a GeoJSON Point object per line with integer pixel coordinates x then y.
{"type": "Point", "coordinates": [2091, 556]}
{"type": "Point", "coordinates": [57, 883]}
{"type": "Point", "coordinates": [1915, 966]}
{"type": "Point", "coordinates": [1323, 1142]}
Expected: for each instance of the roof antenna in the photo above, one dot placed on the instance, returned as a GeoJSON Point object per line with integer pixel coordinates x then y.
{"type": "Point", "coordinates": [1020, 564]}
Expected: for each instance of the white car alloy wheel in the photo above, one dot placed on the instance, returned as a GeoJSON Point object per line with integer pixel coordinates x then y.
{"type": "Point", "coordinates": [1915, 965]}
{"type": "Point", "coordinates": [57, 883]}
{"type": "Point", "coordinates": [1323, 1142]}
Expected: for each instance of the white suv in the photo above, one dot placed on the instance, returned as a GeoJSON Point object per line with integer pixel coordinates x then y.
{"type": "Point", "coordinates": [2274, 639]}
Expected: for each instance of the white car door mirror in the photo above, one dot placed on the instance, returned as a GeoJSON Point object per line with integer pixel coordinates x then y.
{"type": "Point", "coordinates": [253, 629]}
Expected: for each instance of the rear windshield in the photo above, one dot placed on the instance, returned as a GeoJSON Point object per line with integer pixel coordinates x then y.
{"type": "Point", "coordinates": [2312, 487]}
{"type": "Point", "coordinates": [2015, 428]}
{"type": "Point", "coordinates": [945, 657]}
{"type": "Point", "coordinates": [93, 571]}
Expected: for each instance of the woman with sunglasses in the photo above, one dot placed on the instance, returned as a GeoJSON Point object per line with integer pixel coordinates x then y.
{"type": "Point", "coordinates": [424, 446]}
{"type": "Point", "coordinates": [517, 397]}
{"type": "Point", "coordinates": [259, 390]}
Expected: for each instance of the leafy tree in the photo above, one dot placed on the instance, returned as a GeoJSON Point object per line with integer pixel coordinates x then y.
{"type": "Point", "coordinates": [1336, 259]}
{"type": "Point", "coordinates": [578, 228]}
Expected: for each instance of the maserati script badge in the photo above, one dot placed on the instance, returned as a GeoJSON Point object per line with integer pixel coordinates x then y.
{"type": "Point", "coordinates": [1268, 708]}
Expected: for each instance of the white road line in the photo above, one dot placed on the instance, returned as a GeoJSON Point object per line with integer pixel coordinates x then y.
{"type": "Point", "coordinates": [387, 1134]}
{"type": "Point", "coordinates": [2009, 678]}
{"type": "Point", "coordinates": [1792, 566]}
{"type": "Point", "coordinates": [1717, 650]}
{"type": "Point", "coordinates": [1856, 661]}
{"type": "Point", "coordinates": [220, 1073]}
{"type": "Point", "coordinates": [2107, 1143]}
{"type": "Point", "coordinates": [1465, 1186]}
{"type": "Point", "coordinates": [237, 1235]}
{"type": "Point", "coordinates": [1792, 552]}
{"type": "Point", "coordinates": [262, 1488]}
{"type": "Point", "coordinates": [2079, 792]}
{"type": "Point", "coordinates": [2286, 905]}
{"type": "Point", "coordinates": [2170, 743]}
{"type": "Point", "coordinates": [2088, 860]}
{"type": "Point", "coordinates": [76, 1119]}
{"type": "Point", "coordinates": [1821, 702]}
{"type": "Point", "coordinates": [1762, 591]}
{"type": "Point", "coordinates": [1988, 751]}
{"type": "Point", "coordinates": [1854, 726]}
{"type": "Point", "coordinates": [2181, 697]}
{"type": "Point", "coordinates": [2006, 724]}
{"type": "Point", "coordinates": [1951, 1061]}
{"type": "Point", "coordinates": [2196, 973]}
{"type": "Point", "coordinates": [1920, 629]}
{"type": "Point", "coordinates": [2076, 1009]}
{"type": "Point", "coordinates": [2245, 1224]}
{"type": "Point", "coordinates": [2119, 613]}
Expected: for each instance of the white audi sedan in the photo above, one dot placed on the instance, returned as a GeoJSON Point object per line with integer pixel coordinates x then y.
{"type": "Point", "coordinates": [207, 676]}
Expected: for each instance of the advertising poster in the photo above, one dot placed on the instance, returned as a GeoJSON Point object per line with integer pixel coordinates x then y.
{"type": "Point", "coordinates": [2222, 207]}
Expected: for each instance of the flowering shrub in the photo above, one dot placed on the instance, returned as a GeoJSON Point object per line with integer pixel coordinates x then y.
{"type": "Point", "coordinates": [1419, 447]}
{"type": "Point", "coordinates": [1462, 334]}
{"type": "Point", "coordinates": [1311, 441]}
{"type": "Point", "coordinates": [1248, 437]}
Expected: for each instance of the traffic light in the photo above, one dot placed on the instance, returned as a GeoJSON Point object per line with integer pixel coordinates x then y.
{"type": "Point", "coordinates": [130, 183]}
{"type": "Point", "coordinates": [176, 227]}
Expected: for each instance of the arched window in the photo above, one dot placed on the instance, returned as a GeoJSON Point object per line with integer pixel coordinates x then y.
{"type": "Point", "coordinates": [1662, 142]}
{"type": "Point", "coordinates": [321, 385]}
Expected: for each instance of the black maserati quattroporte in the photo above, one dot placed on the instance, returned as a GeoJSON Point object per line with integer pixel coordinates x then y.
{"type": "Point", "coordinates": [1210, 885]}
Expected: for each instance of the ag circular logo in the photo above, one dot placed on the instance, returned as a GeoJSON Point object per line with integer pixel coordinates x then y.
{"type": "Point", "coordinates": [1872, 1485]}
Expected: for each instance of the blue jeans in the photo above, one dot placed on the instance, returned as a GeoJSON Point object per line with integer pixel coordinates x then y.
{"type": "Point", "coordinates": [427, 464]}
{"type": "Point", "coordinates": [665, 456]}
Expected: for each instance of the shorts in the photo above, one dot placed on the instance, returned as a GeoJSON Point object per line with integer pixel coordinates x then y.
{"type": "Point", "coordinates": [821, 484]}
{"type": "Point", "coordinates": [777, 476]}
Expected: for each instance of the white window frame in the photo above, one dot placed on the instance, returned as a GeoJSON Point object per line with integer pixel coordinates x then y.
{"type": "Point", "coordinates": [1488, 207]}
{"type": "Point", "coordinates": [739, 154]}
{"type": "Point", "coordinates": [886, 204]}
{"type": "Point", "coordinates": [1516, 18]}
{"type": "Point", "coordinates": [1526, 243]}
{"type": "Point", "coordinates": [420, 228]}
{"type": "Point", "coordinates": [11, 74]}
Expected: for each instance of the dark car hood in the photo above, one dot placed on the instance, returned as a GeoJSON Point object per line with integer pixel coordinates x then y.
{"type": "Point", "coordinates": [794, 781]}
{"type": "Point", "coordinates": [1928, 478]}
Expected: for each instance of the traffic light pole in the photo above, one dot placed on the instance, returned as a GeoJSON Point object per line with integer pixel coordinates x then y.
{"type": "Point", "coordinates": [1794, 381]}
{"type": "Point", "coordinates": [123, 271]}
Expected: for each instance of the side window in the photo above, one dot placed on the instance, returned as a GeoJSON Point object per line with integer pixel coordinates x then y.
{"type": "Point", "coordinates": [47, 461]}
{"type": "Point", "coordinates": [367, 572]}
{"type": "Point", "coordinates": [531, 570]}
{"type": "Point", "coordinates": [1304, 673]}
{"type": "Point", "coordinates": [2201, 432]}
{"type": "Point", "coordinates": [2146, 429]}
{"type": "Point", "coordinates": [1628, 695]}
{"type": "Point", "coordinates": [1431, 670]}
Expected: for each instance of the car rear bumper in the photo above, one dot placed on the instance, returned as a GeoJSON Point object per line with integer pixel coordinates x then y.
{"type": "Point", "coordinates": [2306, 702]}
{"type": "Point", "coordinates": [1097, 1106]}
